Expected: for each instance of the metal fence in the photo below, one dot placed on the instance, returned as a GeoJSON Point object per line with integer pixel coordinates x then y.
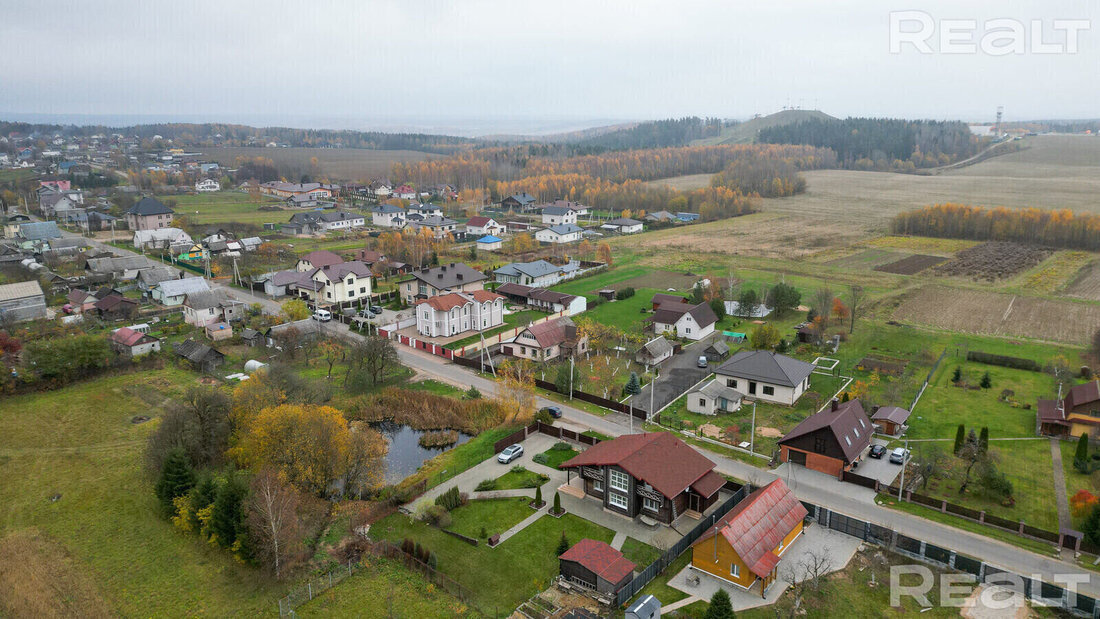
{"type": "Point", "coordinates": [670, 555]}
{"type": "Point", "coordinates": [314, 587]}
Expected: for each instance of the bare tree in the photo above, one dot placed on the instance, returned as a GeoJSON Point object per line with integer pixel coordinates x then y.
{"type": "Point", "coordinates": [823, 303]}
{"type": "Point", "coordinates": [806, 575]}
{"type": "Point", "coordinates": [273, 518]}
{"type": "Point", "coordinates": [857, 298]}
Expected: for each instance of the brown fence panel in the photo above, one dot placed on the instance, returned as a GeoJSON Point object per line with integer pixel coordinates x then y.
{"type": "Point", "coordinates": [515, 437]}
{"type": "Point", "coordinates": [569, 434]}
{"type": "Point", "coordinates": [1004, 523]}
{"type": "Point", "coordinates": [587, 440]}
{"type": "Point", "coordinates": [1050, 536]}
{"type": "Point", "coordinates": [926, 500]}
{"type": "Point", "coordinates": [860, 480]}
{"type": "Point", "coordinates": [963, 511]}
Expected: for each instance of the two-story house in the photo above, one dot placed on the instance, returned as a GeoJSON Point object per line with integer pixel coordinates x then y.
{"type": "Point", "coordinates": [149, 214]}
{"type": "Point", "coordinates": [205, 308]}
{"type": "Point", "coordinates": [684, 320]}
{"type": "Point", "coordinates": [557, 215]}
{"type": "Point", "coordinates": [548, 340]}
{"type": "Point", "coordinates": [652, 476]}
{"type": "Point", "coordinates": [388, 216]}
{"type": "Point", "coordinates": [563, 233]}
{"type": "Point", "coordinates": [208, 184]}
{"type": "Point", "coordinates": [317, 259]}
{"type": "Point", "coordinates": [458, 312]}
{"type": "Point", "coordinates": [831, 440]}
{"type": "Point", "coordinates": [453, 277]}
{"type": "Point", "coordinates": [481, 226]}
{"type": "Point", "coordinates": [439, 226]}
{"type": "Point", "coordinates": [341, 283]}
{"type": "Point", "coordinates": [425, 210]}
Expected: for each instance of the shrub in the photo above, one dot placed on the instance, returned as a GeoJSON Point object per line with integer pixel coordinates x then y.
{"type": "Point", "coordinates": [408, 547]}
{"type": "Point", "coordinates": [983, 439]}
{"type": "Point", "coordinates": [1016, 363]}
{"type": "Point", "coordinates": [517, 469]}
{"type": "Point", "coordinates": [433, 560]}
{"type": "Point", "coordinates": [561, 446]}
{"type": "Point", "coordinates": [450, 499]}
{"type": "Point", "coordinates": [1082, 502]}
{"type": "Point", "coordinates": [557, 503]}
{"type": "Point", "coordinates": [624, 293]}
{"type": "Point", "coordinates": [1081, 456]}
{"type": "Point", "coordinates": [538, 496]}
{"type": "Point", "coordinates": [1091, 527]}
{"type": "Point", "coordinates": [958, 375]}
{"type": "Point", "coordinates": [486, 484]}
{"type": "Point", "coordinates": [563, 544]}
{"type": "Point", "coordinates": [484, 534]}
{"type": "Point", "coordinates": [986, 382]}
{"type": "Point", "coordinates": [536, 482]}
{"type": "Point", "coordinates": [541, 458]}
{"type": "Point", "coordinates": [543, 416]}
{"type": "Point", "coordinates": [472, 394]}
{"type": "Point", "coordinates": [437, 516]}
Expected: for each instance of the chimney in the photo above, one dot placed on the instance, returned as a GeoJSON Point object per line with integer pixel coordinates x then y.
{"type": "Point", "coordinates": [835, 404]}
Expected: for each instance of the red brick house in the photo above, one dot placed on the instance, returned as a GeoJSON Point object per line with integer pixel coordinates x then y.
{"type": "Point", "coordinates": [653, 475]}
{"type": "Point", "coordinates": [829, 441]}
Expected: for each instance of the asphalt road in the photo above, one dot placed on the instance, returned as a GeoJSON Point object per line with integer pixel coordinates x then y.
{"type": "Point", "coordinates": [678, 374]}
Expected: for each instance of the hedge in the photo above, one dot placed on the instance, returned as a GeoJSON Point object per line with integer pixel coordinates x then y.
{"type": "Point", "coordinates": [1017, 363]}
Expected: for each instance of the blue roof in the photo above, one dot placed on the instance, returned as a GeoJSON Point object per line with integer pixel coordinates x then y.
{"type": "Point", "coordinates": [488, 238]}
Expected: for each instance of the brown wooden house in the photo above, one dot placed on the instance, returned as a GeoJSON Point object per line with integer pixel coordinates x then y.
{"type": "Point", "coordinates": [830, 440]}
{"type": "Point", "coordinates": [653, 476]}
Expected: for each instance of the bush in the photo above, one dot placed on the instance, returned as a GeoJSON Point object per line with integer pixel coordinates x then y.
{"type": "Point", "coordinates": [563, 544]}
{"type": "Point", "coordinates": [541, 459]}
{"type": "Point", "coordinates": [624, 293]}
{"type": "Point", "coordinates": [450, 499]}
{"type": "Point", "coordinates": [544, 417]}
{"type": "Point", "coordinates": [538, 496]}
{"type": "Point", "coordinates": [517, 469]}
{"type": "Point", "coordinates": [557, 504]}
{"type": "Point", "coordinates": [472, 394]}
{"type": "Point", "coordinates": [1016, 363]}
{"type": "Point", "coordinates": [486, 484]}
{"type": "Point", "coordinates": [561, 446]}
{"type": "Point", "coordinates": [986, 381]}
{"type": "Point", "coordinates": [484, 534]}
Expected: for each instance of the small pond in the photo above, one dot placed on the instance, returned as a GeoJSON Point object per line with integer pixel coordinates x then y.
{"type": "Point", "coordinates": [405, 454]}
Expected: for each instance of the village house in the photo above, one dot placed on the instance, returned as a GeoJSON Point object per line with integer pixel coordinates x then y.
{"type": "Point", "coordinates": [173, 292]}
{"type": "Point", "coordinates": [425, 210]}
{"type": "Point", "coordinates": [829, 441]}
{"type": "Point", "coordinates": [208, 184]}
{"type": "Point", "coordinates": [283, 283]}
{"type": "Point", "coordinates": [661, 216]}
{"type": "Point", "coordinates": [286, 190]}
{"type": "Point", "coordinates": [713, 398]}
{"type": "Point", "coordinates": [537, 274]}
{"type": "Point", "coordinates": [148, 279]}
{"type": "Point", "coordinates": [654, 352]}
{"type": "Point", "coordinates": [22, 301]}
{"type": "Point", "coordinates": [1076, 414]}
{"type": "Point", "coordinates": [38, 233]}
{"type": "Point", "coordinates": [746, 545]}
{"type": "Point", "coordinates": [653, 476]}
{"type": "Point", "coordinates": [552, 339]}
{"type": "Point", "coordinates": [130, 343]}
{"type": "Point", "coordinates": [490, 243]}
{"type": "Point", "coordinates": [623, 225]}
{"type": "Point", "coordinates": [429, 282]}
{"type": "Point", "coordinates": [557, 215]}
{"type": "Point", "coordinates": [548, 301]}
{"type": "Point", "coordinates": [595, 565]}
{"type": "Point", "coordinates": [11, 226]}
{"type": "Point", "coordinates": [160, 238]}
{"type": "Point", "coordinates": [519, 202]}
{"type": "Point", "coordinates": [211, 306]}
{"type": "Point", "coordinates": [683, 320]}
{"type": "Point", "coordinates": [482, 226]}
{"type": "Point", "coordinates": [317, 259]}
{"type": "Point", "coordinates": [765, 375]}
{"type": "Point", "coordinates": [404, 192]}
{"type": "Point", "coordinates": [890, 420]}
{"type": "Point", "coordinates": [202, 357]}
{"type": "Point", "coordinates": [440, 227]}
{"type": "Point", "coordinates": [457, 312]}
{"type": "Point", "coordinates": [115, 307]}
{"type": "Point", "coordinates": [341, 220]}
{"type": "Point", "coordinates": [578, 208]}
{"type": "Point", "coordinates": [345, 282]}
{"type": "Point", "coordinates": [149, 214]}
{"type": "Point", "coordinates": [388, 216]}
{"type": "Point", "coordinates": [564, 233]}
{"type": "Point", "coordinates": [120, 268]}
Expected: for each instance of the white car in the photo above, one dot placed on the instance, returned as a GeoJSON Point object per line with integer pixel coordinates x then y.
{"type": "Point", "coordinates": [899, 455]}
{"type": "Point", "coordinates": [510, 453]}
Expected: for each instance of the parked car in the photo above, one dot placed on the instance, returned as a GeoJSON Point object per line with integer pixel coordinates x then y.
{"type": "Point", "coordinates": [364, 313]}
{"type": "Point", "coordinates": [702, 361]}
{"type": "Point", "coordinates": [554, 411]}
{"type": "Point", "coordinates": [899, 455]}
{"type": "Point", "coordinates": [510, 453]}
{"type": "Point", "coordinates": [376, 309]}
{"type": "Point", "coordinates": [322, 315]}
{"type": "Point", "coordinates": [877, 451]}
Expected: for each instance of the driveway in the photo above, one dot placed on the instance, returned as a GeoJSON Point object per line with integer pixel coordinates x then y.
{"type": "Point", "coordinates": [880, 468]}
{"type": "Point", "coordinates": [678, 374]}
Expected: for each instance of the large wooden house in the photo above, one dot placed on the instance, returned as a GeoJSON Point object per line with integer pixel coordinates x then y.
{"type": "Point", "coordinates": [830, 440]}
{"type": "Point", "coordinates": [652, 476]}
{"type": "Point", "coordinates": [1076, 414]}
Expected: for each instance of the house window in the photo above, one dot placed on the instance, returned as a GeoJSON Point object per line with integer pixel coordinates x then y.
{"type": "Point", "coordinates": [363, 290]}
{"type": "Point", "coordinates": [651, 504]}
{"type": "Point", "coordinates": [620, 481]}
{"type": "Point", "coordinates": [702, 402]}
{"type": "Point", "coordinates": [730, 382]}
{"type": "Point", "coordinates": [617, 500]}
{"type": "Point", "coordinates": [597, 485]}
{"type": "Point", "coordinates": [769, 390]}
{"type": "Point", "coordinates": [735, 570]}
{"type": "Point", "coordinates": [819, 444]}
{"type": "Point", "coordinates": [688, 330]}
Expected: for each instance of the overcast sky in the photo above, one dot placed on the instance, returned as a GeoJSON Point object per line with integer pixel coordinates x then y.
{"type": "Point", "coordinates": [463, 63]}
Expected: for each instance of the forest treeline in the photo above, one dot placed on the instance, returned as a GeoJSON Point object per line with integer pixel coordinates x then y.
{"type": "Point", "coordinates": [653, 134]}
{"type": "Point", "coordinates": [880, 143]}
{"type": "Point", "coordinates": [1059, 228]}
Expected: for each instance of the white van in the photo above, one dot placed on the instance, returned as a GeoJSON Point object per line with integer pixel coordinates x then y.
{"type": "Point", "coordinates": [322, 315]}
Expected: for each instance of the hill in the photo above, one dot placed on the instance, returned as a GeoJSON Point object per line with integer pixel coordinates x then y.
{"type": "Point", "coordinates": [745, 133]}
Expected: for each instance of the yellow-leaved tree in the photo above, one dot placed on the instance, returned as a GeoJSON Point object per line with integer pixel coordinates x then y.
{"type": "Point", "coordinates": [515, 389]}
{"type": "Point", "coordinates": [309, 445]}
{"type": "Point", "coordinates": [252, 396]}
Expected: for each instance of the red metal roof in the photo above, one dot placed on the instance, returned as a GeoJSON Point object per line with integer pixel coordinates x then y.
{"type": "Point", "coordinates": [756, 525]}
{"type": "Point", "coordinates": [599, 558]}
{"type": "Point", "coordinates": [127, 336]}
{"type": "Point", "coordinates": [478, 221]}
{"type": "Point", "coordinates": [1082, 394]}
{"type": "Point", "coordinates": [656, 458]}
{"type": "Point", "coordinates": [708, 484]}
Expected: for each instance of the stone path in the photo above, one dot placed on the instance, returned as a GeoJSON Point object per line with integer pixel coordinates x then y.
{"type": "Point", "coordinates": [618, 540]}
{"type": "Point", "coordinates": [680, 604]}
{"type": "Point", "coordinates": [1064, 520]}
{"type": "Point", "coordinates": [528, 521]}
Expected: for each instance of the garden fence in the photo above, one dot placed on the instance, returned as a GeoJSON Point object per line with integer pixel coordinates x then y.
{"type": "Point", "coordinates": [314, 587]}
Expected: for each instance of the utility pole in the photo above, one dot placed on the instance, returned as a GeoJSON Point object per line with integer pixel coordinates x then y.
{"type": "Point", "coordinates": [752, 431]}
{"type": "Point", "coordinates": [571, 378]}
{"type": "Point", "coordinates": [904, 463]}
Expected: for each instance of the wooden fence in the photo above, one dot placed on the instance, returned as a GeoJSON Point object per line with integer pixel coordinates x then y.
{"type": "Point", "coordinates": [543, 428]}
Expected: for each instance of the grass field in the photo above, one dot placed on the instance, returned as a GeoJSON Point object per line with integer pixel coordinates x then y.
{"type": "Point", "coordinates": [16, 175]}
{"type": "Point", "coordinates": [385, 586]}
{"type": "Point", "coordinates": [520, 478]}
{"type": "Point", "coordinates": [79, 446]}
{"type": "Point", "coordinates": [227, 206]}
{"type": "Point", "coordinates": [354, 164]}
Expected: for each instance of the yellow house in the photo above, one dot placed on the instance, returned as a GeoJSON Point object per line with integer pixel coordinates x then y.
{"type": "Point", "coordinates": [746, 544]}
{"type": "Point", "coordinates": [1076, 414]}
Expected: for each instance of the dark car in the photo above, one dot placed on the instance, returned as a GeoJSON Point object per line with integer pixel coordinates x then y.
{"type": "Point", "coordinates": [376, 309]}
{"type": "Point", "coordinates": [877, 451]}
{"type": "Point", "coordinates": [554, 411]}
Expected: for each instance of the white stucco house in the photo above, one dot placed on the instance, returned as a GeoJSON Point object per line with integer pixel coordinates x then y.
{"type": "Point", "coordinates": [458, 312]}
{"type": "Point", "coordinates": [564, 233]}
{"type": "Point", "coordinates": [208, 184]}
{"type": "Point", "coordinates": [683, 320]}
{"type": "Point", "coordinates": [623, 225]}
{"type": "Point", "coordinates": [388, 216]}
{"type": "Point", "coordinates": [765, 375]}
{"type": "Point", "coordinates": [558, 215]}
{"type": "Point", "coordinates": [713, 398]}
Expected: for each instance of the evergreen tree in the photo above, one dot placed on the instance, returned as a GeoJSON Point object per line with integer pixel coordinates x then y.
{"type": "Point", "coordinates": [176, 479]}
{"type": "Point", "coordinates": [633, 385]}
{"type": "Point", "coordinates": [960, 436]}
{"type": "Point", "coordinates": [1081, 457]}
{"type": "Point", "coordinates": [958, 375]}
{"type": "Point", "coordinates": [720, 606]}
{"type": "Point", "coordinates": [563, 544]}
{"type": "Point", "coordinates": [1091, 527]}
{"type": "Point", "coordinates": [983, 439]}
{"type": "Point", "coordinates": [986, 381]}
{"type": "Point", "coordinates": [557, 504]}
{"type": "Point", "coordinates": [202, 495]}
{"type": "Point", "coordinates": [227, 519]}
{"type": "Point", "coordinates": [538, 496]}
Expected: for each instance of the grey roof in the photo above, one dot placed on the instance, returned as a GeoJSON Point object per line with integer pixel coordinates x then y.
{"type": "Point", "coordinates": [557, 210]}
{"type": "Point", "coordinates": [565, 228]}
{"type": "Point", "coordinates": [20, 290]}
{"type": "Point", "coordinates": [193, 351]}
{"type": "Point", "coordinates": [339, 271]}
{"type": "Point", "coordinates": [538, 268]}
{"type": "Point", "coordinates": [387, 208]}
{"type": "Point", "coordinates": [39, 230]}
{"type": "Point", "coordinates": [766, 366]}
{"type": "Point", "coordinates": [848, 424]}
{"type": "Point", "coordinates": [657, 347]}
{"type": "Point", "coordinates": [718, 346]}
{"type": "Point", "coordinates": [117, 265]}
{"type": "Point", "coordinates": [660, 216]}
{"type": "Point", "coordinates": [623, 221]}
{"type": "Point", "coordinates": [716, 389]}
{"type": "Point", "coordinates": [448, 275]}
{"type": "Point", "coordinates": [522, 198]}
{"type": "Point", "coordinates": [435, 220]}
{"type": "Point", "coordinates": [156, 275]}
{"type": "Point", "coordinates": [891, 413]}
{"type": "Point", "coordinates": [149, 206]}
{"type": "Point", "coordinates": [205, 299]}
{"type": "Point", "coordinates": [247, 333]}
{"type": "Point", "coordinates": [428, 208]}
{"type": "Point", "coordinates": [186, 286]}
{"type": "Point", "coordinates": [339, 216]}
{"type": "Point", "coordinates": [69, 243]}
{"type": "Point", "coordinates": [282, 278]}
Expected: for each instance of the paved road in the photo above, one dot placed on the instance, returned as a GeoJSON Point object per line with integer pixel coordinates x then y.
{"type": "Point", "coordinates": [678, 374]}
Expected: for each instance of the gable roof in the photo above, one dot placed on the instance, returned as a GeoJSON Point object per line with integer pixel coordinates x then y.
{"type": "Point", "coordinates": [195, 352]}
{"type": "Point", "coordinates": [756, 526]}
{"type": "Point", "coordinates": [128, 337]}
{"type": "Point", "coordinates": [156, 275]}
{"type": "Point", "coordinates": [20, 290]}
{"type": "Point", "coordinates": [149, 206]}
{"type": "Point", "coordinates": [557, 210]}
{"type": "Point", "coordinates": [534, 269]}
{"type": "Point", "coordinates": [660, 298]}
{"type": "Point", "coordinates": [892, 414]}
{"type": "Point", "coordinates": [112, 301]}
{"type": "Point", "coordinates": [523, 198]}
{"type": "Point", "coordinates": [39, 230]}
{"type": "Point", "coordinates": [551, 332]}
{"type": "Point", "coordinates": [671, 312]}
{"type": "Point", "coordinates": [766, 366]}
{"type": "Point", "coordinates": [205, 299]}
{"type": "Point", "coordinates": [718, 347]}
{"type": "Point", "coordinates": [339, 271]}
{"type": "Point", "coordinates": [623, 221]}
{"type": "Point", "coordinates": [848, 423]}
{"type": "Point", "coordinates": [187, 285]}
{"type": "Point", "coordinates": [600, 559]}
{"type": "Point", "coordinates": [657, 347]}
{"type": "Point", "coordinates": [716, 389]}
{"type": "Point", "coordinates": [565, 229]}
{"type": "Point", "coordinates": [656, 458]}
{"type": "Point", "coordinates": [321, 258]}
{"type": "Point", "coordinates": [1082, 394]}
{"type": "Point", "coordinates": [479, 221]}
{"type": "Point", "coordinates": [448, 275]}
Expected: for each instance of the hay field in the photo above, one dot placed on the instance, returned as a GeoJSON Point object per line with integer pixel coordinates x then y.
{"type": "Point", "coordinates": [989, 313]}
{"type": "Point", "coordinates": [683, 183]}
{"type": "Point", "coordinates": [354, 164]}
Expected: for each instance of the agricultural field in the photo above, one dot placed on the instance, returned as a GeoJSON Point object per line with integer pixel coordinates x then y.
{"type": "Point", "coordinates": [356, 164]}
{"type": "Point", "coordinates": [911, 265]}
{"type": "Point", "coordinates": [867, 259]}
{"type": "Point", "coordinates": [683, 183]}
{"type": "Point", "coordinates": [1086, 284]}
{"type": "Point", "coordinates": [994, 261]}
{"type": "Point", "coordinates": [227, 206]}
{"type": "Point", "coordinates": [920, 244]}
{"type": "Point", "coordinates": [990, 313]}
{"type": "Point", "coordinates": [1055, 273]}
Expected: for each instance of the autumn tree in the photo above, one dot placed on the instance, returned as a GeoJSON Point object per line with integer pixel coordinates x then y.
{"type": "Point", "coordinates": [295, 310]}
{"type": "Point", "coordinates": [764, 337]}
{"type": "Point", "coordinates": [368, 362]}
{"type": "Point", "coordinates": [515, 389]}
{"type": "Point", "coordinates": [273, 519]}
{"type": "Point", "coordinates": [197, 424]}
{"type": "Point", "coordinates": [252, 396]}
{"type": "Point", "coordinates": [308, 444]}
{"type": "Point", "coordinates": [823, 302]}
{"type": "Point", "coordinates": [523, 243]}
{"type": "Point", "coordinates": [366, 460]}
{"type": "Point", "coordinates": [331, 352]}
{"type": "Point", "coordinates": [840, 310]}
{"type": "Point", "coordinates": [603, 253]}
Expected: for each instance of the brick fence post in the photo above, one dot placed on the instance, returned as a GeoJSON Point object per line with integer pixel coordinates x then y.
{"type": "Point", "coordinates": [981, 517]}
{"type": "Point", "coordinates": [943, 506]}
{"type": "Point", "coordinates": [1021, 530]}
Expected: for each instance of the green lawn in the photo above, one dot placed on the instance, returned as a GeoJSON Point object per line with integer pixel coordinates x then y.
{"type": "Point", "coordinates": [519, 479]}
{"type": "Point", "coordinates": [454, 461]}
{"type": "Point", "coordinates": [495, 515]}
{"type": "Point", "coordinates": [499, 578]}
{"type": "Point", "coordinates": [516, 319]}
{"type": "Point", "coordinates": [383, 584]}
{"type": "Point", "coordinates": [1076, 480]}
{"type": "Point", "coordinates": [639, 553]}
{"type": "Point", "coordinates": [626, 314]}
{"type": "Point", "coordinates": [227, 206]}
{"type": "Point", "coordinates": [658, 587]}
{"type": "Point", "coordinates": [437, 387]}
{"type": "Point", "coordinates": [79, 443]}
{"type": "Point", "coordinates": [944, 406]}
{"type": "Point", "coordinates": [557, 454]}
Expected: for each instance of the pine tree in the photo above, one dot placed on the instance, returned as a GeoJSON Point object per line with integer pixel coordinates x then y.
{"type": "Point", "coordinates": [557, 503]}
{"type": "Point", "coordinates": [983, 439]}
{"type": "Point", "coordinates": [227, 519]}
{"type": "Point", "coordinates": [987, 382]}
{"type": "Point", "coordinates": [958, 375]}
{"type": "Point", "coordinates": [720, 606]}
{"type": "Point", "coordinates": [1091, 526]}
{"type": "Point", "coordinates": [844, 397]}
{"type": "Point", "coordinates": [538, 496]}
{"type": "Point", "coordinates": [1081, 457]}
{"type": "Point", "coordinates": [202, 495]}
{"type": "Point", "coordinates": [960, 436]}
{"type": "Point", "coordinates": [176, 479]}
{"type": "Point", "coordinates": [633, 386]}
{"type": "Point", "coordinates": [563, 544]}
